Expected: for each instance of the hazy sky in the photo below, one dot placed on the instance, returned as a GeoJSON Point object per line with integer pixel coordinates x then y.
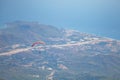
{"type": "Point", "coordinates": [100, 17]}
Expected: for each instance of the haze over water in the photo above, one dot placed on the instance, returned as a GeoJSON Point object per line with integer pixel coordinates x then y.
{"type": "Point", "coordinates": [101, 17]}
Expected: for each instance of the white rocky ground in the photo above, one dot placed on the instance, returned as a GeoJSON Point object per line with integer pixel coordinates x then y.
{"type": "Point", "coordinates": [90, 41]}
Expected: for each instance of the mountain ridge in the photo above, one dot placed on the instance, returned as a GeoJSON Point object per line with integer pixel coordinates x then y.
{"type": "Point", "coordinates": [67, 54]}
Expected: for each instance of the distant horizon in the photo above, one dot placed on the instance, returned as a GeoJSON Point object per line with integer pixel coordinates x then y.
{"type": "Point", "coordinates": [100, 17]}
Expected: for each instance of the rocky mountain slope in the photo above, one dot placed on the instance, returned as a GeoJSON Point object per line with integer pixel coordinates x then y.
{"type": "Point", "coordinates": [67, 54]}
